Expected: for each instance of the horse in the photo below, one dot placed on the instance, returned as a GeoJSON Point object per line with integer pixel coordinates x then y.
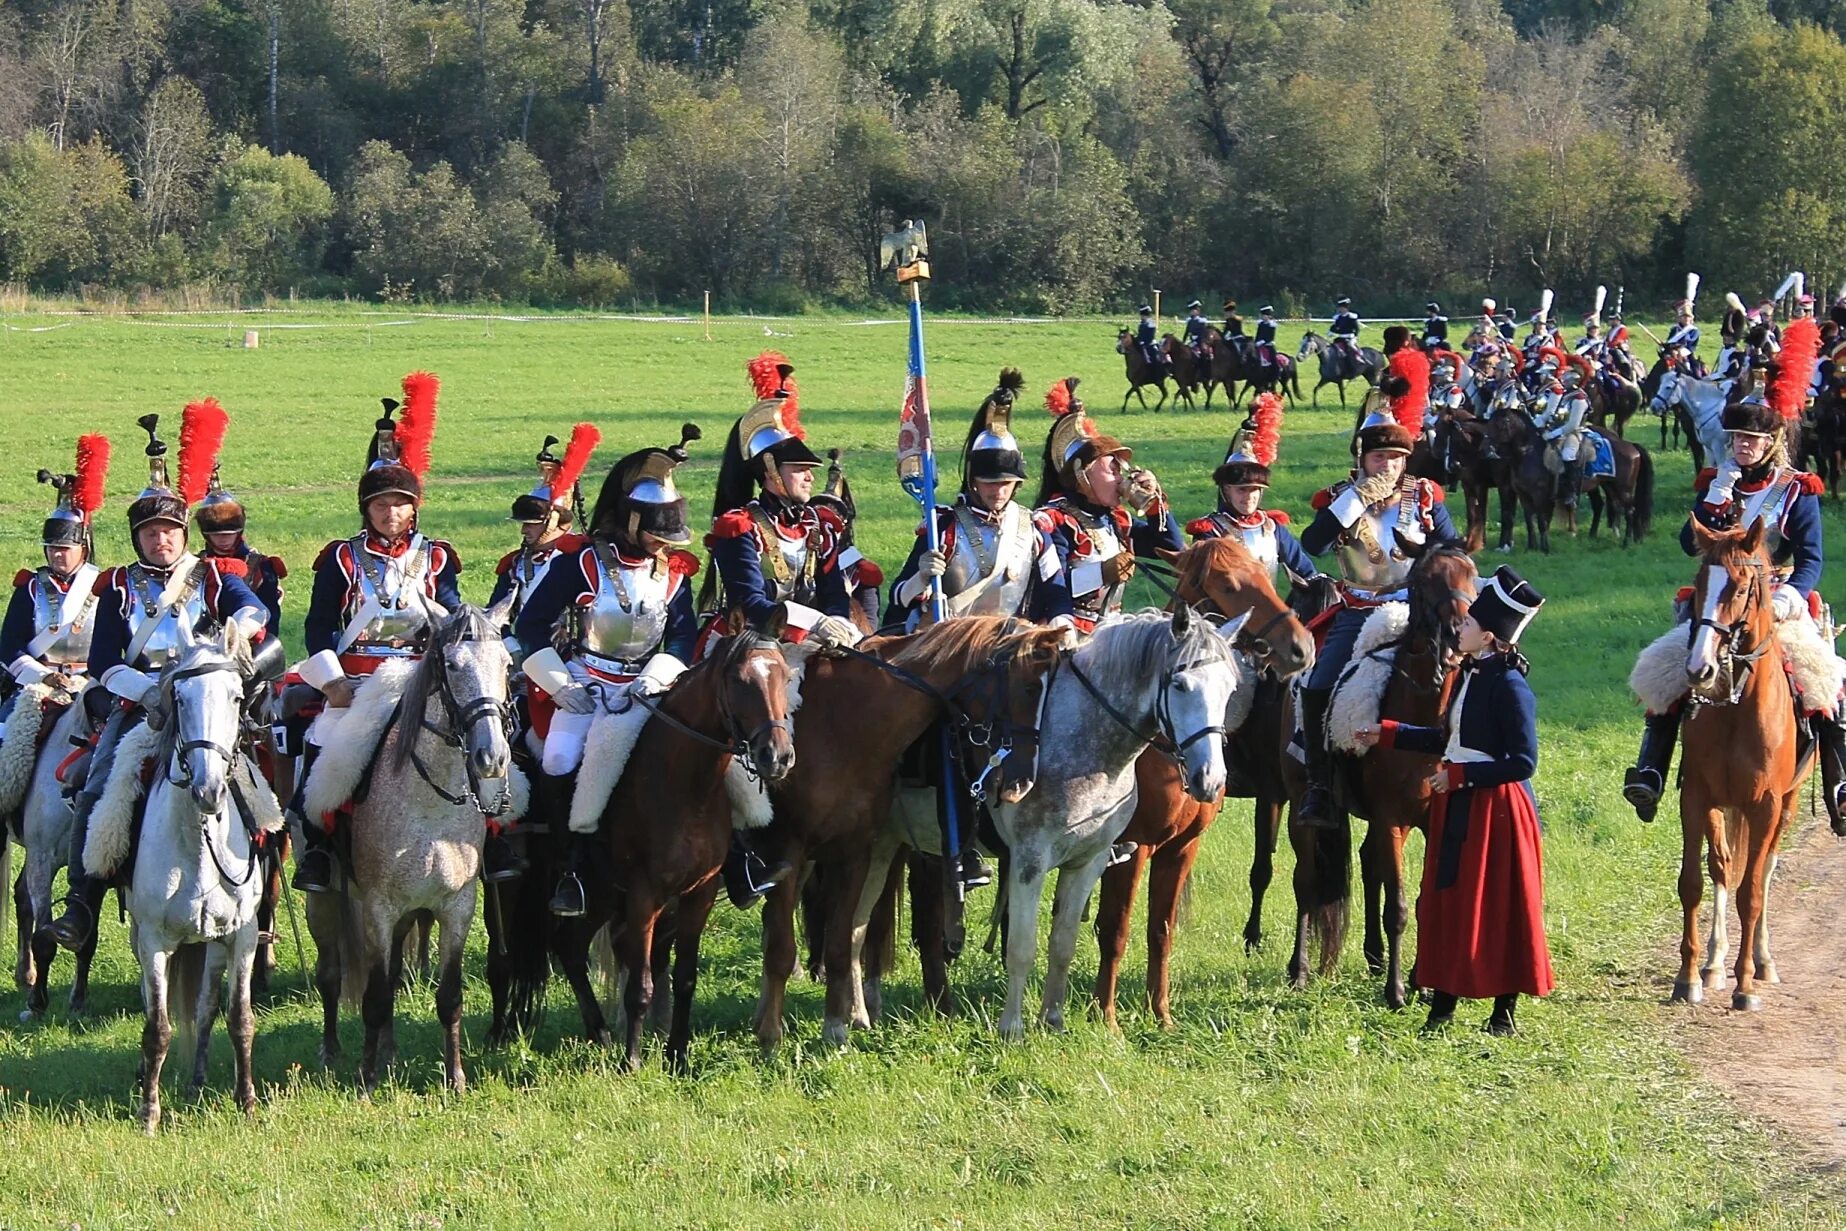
{"type": "Point", "coordinates": [1184, 366]}
{"type": "Point", "coordinates": [1702, 403]}
{"type": "Point", "coordinates": [44, 826]}
{"type": "Point", "coordinates": [861, 711]}
{"type": "Point", "coordinates": [1613, 400]}
{"type": "Point", "coordinates": [665, 830]}
{"type": "Point", "coordinates": [1479, 472]}
{"type": "Point", "coordinates": [1235, 359]}
{"type": "Point", "coordinates": [1739, 773]}
{"type": "Point", "coordinates": [1629, 492]}
{"type": "Point", "coordinates": [1830, 436]}
{"type": "Point", "coordinates": [1221, 576]}
{"type": "Point", "coordinates": [1518, 442]}
{"type": "Point", "coordinates": [416, 837]}
{"type": "Point", "coordinates": [1140, 371]}
{"type": "Point", "coordinates": [1391, 786]}
{"type": "Point", "coordinates": [196, 884]}
{"type": "Point", "coordinates": [1336, 368]}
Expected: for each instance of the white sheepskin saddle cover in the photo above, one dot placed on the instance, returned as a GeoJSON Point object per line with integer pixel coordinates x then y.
{"type": "Point", "coordinates": [1358, 695]}
{"type": "Point", "coordinates": [19, 750]}
{"type": "Point", "coordinates": [612, 739]}
{"type": "Point", "coordinates": [1243, 695]}
{"type": "Point", "coordinates": [112, 823]}
{"type": "Point", "coordinates": [1659, 675]}
{"type": "Point", "coordinates": [353, 743]}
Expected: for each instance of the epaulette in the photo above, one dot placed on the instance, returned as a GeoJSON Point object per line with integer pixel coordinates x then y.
{"type": "Point", "coordinates": [1809, 484]}
{"type": "Point", "coordinates": [1201, 527]}
{"type": "Point", "coordinates": [507, 561]}
{"type": "Point", "coordinates": [869, 573]}
{"type": "Point", "coordinates": [326, 551]}
{"type": "Point", "coordinates": [1277, 516]}
{"type": "Point", "coordinates": [227, 566]}
{"type": "Point", "coordinates": [1429, 492]}
{"type": "Point", "coordinates": [106, 581]}
{"type": "Point", "coordinates": [1703, 482]}
{"type": "Point", "coordinates": [829, 517]}
{"type": "Point", "coordinates": [23, 576]}
{"type": "Point", "coordinates": [1322, 499]}
{"type": "Point", "coordinates": [567, 544]}
{"type": "Point", "coordinates": [1050, 518]}
{"type": "Point", "coordinates": [683, 563]}
{"type": "Point", "coordinates": [277, 566]}
{"type": "Point", "coordinates": [733, 525]}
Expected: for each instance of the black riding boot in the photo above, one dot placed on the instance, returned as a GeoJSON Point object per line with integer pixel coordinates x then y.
{"type": "Point", "coordinates": [1318, 809]}
{"type": "Point", "coordinates": [747, 875]}
{"type": "Point", "coordinates": [1441, 1011]}
{"type": "Point", "coordinates": [569, 899]}
{"type": "Point", "coordinates": [1647, 781]}
{"type": "Point", "coordinates": [1831, 737]}
{"type": "Point", "coordinates": [1501, 1023]}
{"type": "Point", "coordinates": [1569, 483]}
{"type": "Point", "coordinates": [970, 869]}
{"type": "Point", "coordinates": [500, 859]}
{"type": "Point", "coordinates": [83, 896]}
{"type": "Point", "coordinates": [314, 858]}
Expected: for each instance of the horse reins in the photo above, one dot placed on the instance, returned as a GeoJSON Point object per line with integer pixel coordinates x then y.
{"type": "Point", "coordinates": [1174, 747]}
{"type": "Point", "coordinates": [233, 758]}
{"type": "Point", "coordinates": [1730, 638]}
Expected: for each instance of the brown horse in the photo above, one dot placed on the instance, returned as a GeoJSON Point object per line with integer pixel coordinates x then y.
{"type": "Point", "coordinates": [1186, 368]}
{"type": "Point", "coordinates": [1740, 775]}
{"type": "Point", "coordinates": [1221, 576]}
{"type": "Point", "coordinates": [1140, 371]}
{"type": "Point", "coordinates": [667, 827]}
{"type": "Point", "coordinates": [1629, 493]}
{"type": "Point", "coordinates": [1387, 787]}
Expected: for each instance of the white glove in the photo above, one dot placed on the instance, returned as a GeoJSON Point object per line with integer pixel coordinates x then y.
{"type": "Point", "coordinates": [1789, 603]}
{"type": "Point", "coordinates": [832, 630]}
{"type": "Point", "coordinates": [1724, 483]}
{"type": "Point", "coordinates": [1347, 506]}
{"type": "Point", "coordinates": [574, 698]}
{"type": "Point", "coordinates": [930, 565]}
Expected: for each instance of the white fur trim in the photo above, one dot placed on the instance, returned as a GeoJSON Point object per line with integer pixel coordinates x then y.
{"type": "Point", "coordinates": [750, 806]}
{"type": "Point", "coordinates": [19, 751]}
{"type": "Point", "coordinates": [342, 762]}
{"type": "Point", "coordinates": [265, 809]}
{"type": "Point", "coordinates": [1358, 696]}
{"type": "Point", "coordinates": [112, 822]}
{"type": "Point", "coordinates": [606, 750]}
{"type": "Point", "coordinates": [1659, 676]}
{"type": "Point", "coordinates": [28, 670]}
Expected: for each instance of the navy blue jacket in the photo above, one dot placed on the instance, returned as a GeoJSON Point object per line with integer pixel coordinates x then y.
{"type": "Point", "coordinates": [570, 578]}
{"type": "Point", "coordinates": [737, 553]}
{"type": "Point", "coordinates": [1265, 331]}
{"type": "Point", "coordinates": [1147, 333]}
{"type": "Point", "coordinates": [1196, 327]}
{"type": "Point", "coordinates": [263, 574]}
{"type": "Point", "coordinates": [1800, 544]}
{"type": "Point", "coordinates": [335, 576]}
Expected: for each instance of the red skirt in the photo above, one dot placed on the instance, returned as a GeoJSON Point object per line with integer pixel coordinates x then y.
{"type": "Point", "coordinates": [1483, 934]}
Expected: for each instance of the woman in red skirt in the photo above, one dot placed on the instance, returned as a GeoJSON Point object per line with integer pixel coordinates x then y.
{"type": "Point", "coordinates": [1481, 913]}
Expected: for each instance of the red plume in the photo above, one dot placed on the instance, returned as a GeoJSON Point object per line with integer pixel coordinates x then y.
{"type": "Point", "coordinates": [92, 469]}
{"type": "Point", "coordinates": [1794, 373]}
{"type": "Point", "coordinates": [1558, 358]}
{"type": "Point", "coordinates": [201, 436]}
{"type": "Point", "coordinates": [770, 374]}
{"type": "Point", "coordinates": [1266, 411]}
{"type": "Point", "coordinates": [1412, 365]}
{"type": "Point", "coordinates": [1058, 399]}
{"type": "Point", "coordinates": [416, 426]}
{"type": "Point", "coordinates": [583, 441]}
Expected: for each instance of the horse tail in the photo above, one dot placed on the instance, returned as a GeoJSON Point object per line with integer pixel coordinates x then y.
{"type": "Point", "coordinates": [882, 959]}
{"type": "Point", "coordinates": [814, 919]}
{"type": "Point", "coordinates": [1643, 508]}
{"type": "Point", "coordinates": [185, 980]}
{"type": "Point", "coordinates": [6, 874]}
{"type": "Point", "coordinates": [606, 968]}
{"type": "Point", "coordinates": [353, 972]}
{"type": "Point", "coordinates": [1330, 860]}
{"type": "Point", "coordinates": [526, 932]}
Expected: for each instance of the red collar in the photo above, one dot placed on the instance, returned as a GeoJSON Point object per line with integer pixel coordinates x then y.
{"type": "Point", "coordinates": [378, 547]}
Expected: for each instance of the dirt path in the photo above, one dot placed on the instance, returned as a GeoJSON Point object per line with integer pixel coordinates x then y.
{"type": "Point", "coordinates": [1787, 1064]}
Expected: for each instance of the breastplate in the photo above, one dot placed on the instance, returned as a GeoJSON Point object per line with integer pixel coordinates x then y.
{"type": "Point", "coordinates": [396, 582]}
{"type": "Point", "coordinates": [627, 616]}
{"type": "Point", "coordinates": [1389, 570]}
{"type": "Point", "coordinates": [173, 626]}
{"type": "Point", "coordinates": [1767, 506]}
{"type": "Point", "coordinates": [70, 612]}
{"type": "Point", "coordinates": [991, 567]}
{"type": "Point", "coordinates": [1261, 541]}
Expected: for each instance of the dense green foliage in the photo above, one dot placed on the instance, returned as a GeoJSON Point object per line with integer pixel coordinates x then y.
{"type": "Point", "coordinates": [1062, 152]}
{"type": "Point", "coordinates": [1265, 1108]}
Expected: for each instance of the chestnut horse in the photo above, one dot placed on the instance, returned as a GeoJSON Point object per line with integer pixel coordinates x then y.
{"type": "Point", "coordinates": [1221, 576]}
{"type": "Point", "coordinates": [1387, 787]}
{"type": "Point", "coordinates": [1739, 775]}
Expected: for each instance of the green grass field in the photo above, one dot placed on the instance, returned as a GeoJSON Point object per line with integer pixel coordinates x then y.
{"type": "Point", "coordinates": [1265, 1108]}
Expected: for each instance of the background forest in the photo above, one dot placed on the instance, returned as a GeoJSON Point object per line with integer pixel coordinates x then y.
{"type": "Point", "coordinates": [1065, 153]}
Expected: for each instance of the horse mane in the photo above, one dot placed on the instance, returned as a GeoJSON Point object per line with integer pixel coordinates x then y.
{"type": "Point", "coordinates": [1425, 620]}
{"type": "Point", "coordinates": [961, 639]}
{"type": "Point", "coordinates": [1225, 552]}
{"type": "Point", "coordinates": [467, 623]}
{"type": "Point", "coordinates": [1128, 650]}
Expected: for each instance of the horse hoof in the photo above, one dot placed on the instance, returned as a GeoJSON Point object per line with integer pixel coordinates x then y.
{"type": "Point", "coordinates": [150, 1122]}
{"type": "Point", "coordinates": [1745, 1003]}
{"type": "Point", "coordinates": [1715, 980]}
{"type": "Point", "coordinates": [1012, 1031]}
{"type": "Point", "coordinates": [247, 1106]}
{"type": "Point", "coordinates": [834, 1033]}
{"type": "Point", "coordinates": [1767, 974]}
{"type": "Point", "coordinates": [1688, 991]}
{"type": "Point", "coordinates": [28, 1016]}
{"type": "Point", "coordinates": [1053, 1022]}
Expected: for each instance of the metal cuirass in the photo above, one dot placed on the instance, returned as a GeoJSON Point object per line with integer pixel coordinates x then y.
{"type": "Point", "coordinates": [990, 568]}
{"type": "Point", "coordinates": [1387, 570]}
{"type": "Point", "coordinates": [1260, 539]}
{"type": "Point", "coordinates": [63, 619]}
{"type": "Point", "coordinates": [1768, 505]}
{"type": "Point", "coordinates": [627, 616]}
{"type": "Point", "coordinates": [389, 597]}
{"type": "Point", "coordinates": [173, 626]}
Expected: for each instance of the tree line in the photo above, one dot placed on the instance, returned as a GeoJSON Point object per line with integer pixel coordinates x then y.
{"type": "Point", "coordinates": [1064, 153]}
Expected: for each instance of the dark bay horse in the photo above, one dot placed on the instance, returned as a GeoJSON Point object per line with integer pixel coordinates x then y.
{"type": "Point", "coordinates": [1612, 402]}
{"type": "Point", "coordinates": [1336, 368]}
{"type": "Point", "coordinates": [1186, 368]}
{"type": "Point", "coordinates": [1218, 576]}
{"type": "Point", "coordinates": [1629, 494]}
{"type": "Point", "coordinates": [1387, 787]}
{"type": "Point", "coordinates": [1140, 371]}
{"type": "Point", "coordinates": [1519, 444]}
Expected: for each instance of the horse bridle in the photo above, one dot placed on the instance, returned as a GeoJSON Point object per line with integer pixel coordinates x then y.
{"type": "Point", "coordinates": [1162, 736]}
{"type": "Point", "coordinates": [458, 721]}
{"type": "Point", "coordinates": [233, 760]}
{"type": "Point", "coordinates": [738, 748]}
{"type": "Point", "coordinates": [1256, 639]}
{"type": "Point", "coordinates": [1731, 653]}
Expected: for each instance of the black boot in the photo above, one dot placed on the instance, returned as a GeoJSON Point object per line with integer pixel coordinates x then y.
{"type": "Point", "coordinates": [500, 861]}
{"type": "Point", "coordinates": [975, 871]}
{"type": "Point", "coordinates": [748, 876]}
{"type": "Point", "coordinates": [1646, 782]}
{"type": "Point", "coordinates": [1568, 485]}
{"type": "Point", "coordinates": [569, 899]}
{"type": "Point", "coordinates": [83, 897]}
{"type": "Point", "coordinates": [1318, 808]}
{"type": "Point", "coordinates": [1441, 1011]}
{"type": "Point", "coordinates": [314, 861]}
{"type": "Point", "coordinates": [1832, 740]}
{"type": "Point", "coordinates": [1501, 1023]}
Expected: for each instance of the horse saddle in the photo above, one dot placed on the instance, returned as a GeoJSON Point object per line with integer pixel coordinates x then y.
{"type": "Point", "coordinates": [1599, 458]}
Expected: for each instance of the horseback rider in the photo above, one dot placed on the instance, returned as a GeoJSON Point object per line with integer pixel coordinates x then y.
{"type": "Point", "coordinates": [864, 579]}
{"type": "Point", "coordinates": [1435, 327]}
{"type": "Point", "coordinates": [1684, 335]}
{"type": "Point", "coordinates": [771, 548]}
{"type": "Point", "coordinates": [1489, 327]}
{"type": "Point", "coordinates": [45, 637]}
{"type": "Point", "coordinates": [1233, 323]}
{"type": "Point", "coordinates": [1099, 513]}
{"type": "Point", "coordinates": [1617, 350]}
{"type": "Point", "coordinates": [1561, 416]}
{"type": "Point", "coordinates": [545, 515]}
{"type": "Point", "coordinates": [1147, 337]}
{"type": "Point", "coordinates": [1265, 341]}
{"type": "Point", "coordinates": [146, 614]}
{"type": "Point", "coordinates": [1592, 345]}
{"type": "Point", "coordinates": [1344, 329]}
{"type": "Point", "coordinates": [625, 597]}
{"type": "Point", "coordinates": [1242, 479]}
{"type": "Point", "coordinates": [376, 598]}
{"type": "Point", "coordinates": [1197, 327]}
{"type": "Point", "coordinates": [1756, 483]}
{"type": "Point", "coordinates": [1367, 520]}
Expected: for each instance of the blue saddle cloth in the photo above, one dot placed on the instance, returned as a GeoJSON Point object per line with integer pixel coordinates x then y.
{"type": "Point", "coordinates": [1600, 464]}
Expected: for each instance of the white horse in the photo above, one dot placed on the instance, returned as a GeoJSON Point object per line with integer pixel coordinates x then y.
{"type": "Point", "coordinates": [45, 817]}
{"type": "Point", "coordinates": [1136, 679]}
{"type": "Point", "coordinates": [1703, 401]}
{"type": "Point", "coordinates": [441, 770]}
{"type": "Point", "coordinates": [196, 886]}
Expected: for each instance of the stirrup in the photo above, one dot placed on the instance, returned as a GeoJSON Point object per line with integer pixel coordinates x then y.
{"type": "Point", "coordinates": [568, 900]}
{"type": "Point", "coordinates": [974, 871]}
{"type": "Point", "coordinates": [1641, 794]}
{"type": "Point", "coordinates": [500, 862]}
{"type": "Point", "coordinates": [66, 930]}
{"type": "Point", "coordinates": [314, 871]}
{"type": "Point", "coordinates": [1121, 852]}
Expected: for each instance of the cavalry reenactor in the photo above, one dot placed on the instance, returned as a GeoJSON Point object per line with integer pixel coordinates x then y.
{"type": "Point", "coordinates": [1196, 330]}
{"type": "Point", "coordinates": [1242, 480]}
{"type": "Point", "coordinates": [1684, 335]}
{"type": "Point", "coordinates": [771, 547]}
{"type": "Point", "coordinates": [1265, 339]}
{"type": "Point", "coordinates": [1233, 323]}
{"type": "Point", "coordinates": [1344, 329]}
{"type": "Point", "coordinates": [1147, 337]}
{"type": "Point", "coordinates": [1435, 326]}
{"type": "Point", "coordinates": [146, 615]}
{"type": "Point", "coordinates": [624, 597]}
{"type": "Point", "coordinates": [1592, 345]}
{"type": "Point", "coordinates": [222, 523]}
{"type": "Point", "coordinates": [864, 579]}
{"type": "Point", "coordinates": [545, 516]}
{"type": "Point", "coordinates": [1098, 511]}
{"type": "Point", "coordinates": [1564, 408]}
{"type": "Point", "coordinates": [377, 597]}
{"type": "Point", "coordinates": [51, 617]}
{"type": "Point", "coordinates": [1361, 519]}
{"type": "Point", "coordinates": [1618, 352]}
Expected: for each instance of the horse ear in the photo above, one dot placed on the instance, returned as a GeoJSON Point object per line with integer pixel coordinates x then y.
{"type": "Point", "coordinates": [1170, 556]}
{"type": "Point", "coordinates": [1753, 538]}
{"type": "Point", "coordinates": [1233, 626]}
{"type": "Point", "coordinates": [1410, 549]}
{"type": "Point", "coordinates": [1182, 619]}
{"type": "Point", "coordinates": [773, 627]}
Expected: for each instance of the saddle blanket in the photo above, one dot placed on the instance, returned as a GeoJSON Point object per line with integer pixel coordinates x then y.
{"type": "Point", "coordinates": [349, 739]}
{"type": "Point", "coordinates": [1659, 676]}
{"type": "Point", "coordinates": [1599, 460]}
{"type": "Point", "coordinates": [1358, 695]}
{"type": "Point", "coordinates": [25, 732]}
